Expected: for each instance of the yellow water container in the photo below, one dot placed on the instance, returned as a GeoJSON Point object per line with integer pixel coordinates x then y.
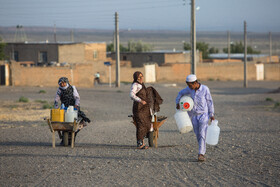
{"type": "Point", "coordinates": [57, 115]}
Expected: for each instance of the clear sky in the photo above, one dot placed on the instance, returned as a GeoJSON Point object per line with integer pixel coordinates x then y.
{"type": "Point", "coordinates": [211, 15]}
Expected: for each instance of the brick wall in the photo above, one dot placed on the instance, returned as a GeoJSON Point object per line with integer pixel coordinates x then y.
{"type": "Point", "coordinates": [79, 75]}
{"type": "Point", "coordinates": [181, 57]}
{"type": "Point", "coordinates": [272, 72]}
{"type": "Point", "coordinates": [226, 71]}
{"type": "Point", "coordinates": [98, 48]}
{"type": "Point", "coordinates": [30, 52]}
{"type": "Point", "coordinates": [173, 72]}
{"type": "Point", "coordinates": [71, 53]}
{"type": "Point", "coordinates": [82, 75]}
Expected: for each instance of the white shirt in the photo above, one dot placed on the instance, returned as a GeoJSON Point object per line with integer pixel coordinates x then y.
{"type": "Point", "coordinates": [134, 89]}
{"type": "Point", "coordinates": [202, 99]}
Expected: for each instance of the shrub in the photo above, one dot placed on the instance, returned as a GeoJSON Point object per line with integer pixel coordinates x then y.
{"type": "Point", "coordinates": [41, 101]}
{"type": "Point", "coordinates": [268, 99]}
{"type": "Point", "coordinates": [42, 91]}
{"type": "Point", "coordinates": [47, 106]}
{"type": "Point", "coordinates": [23, 99]}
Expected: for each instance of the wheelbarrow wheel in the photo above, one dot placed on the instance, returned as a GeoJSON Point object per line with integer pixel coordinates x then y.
{"type": "Point", "coordinates": [65, 138]}
{"type": "Point", "coordinates": [151, 139]}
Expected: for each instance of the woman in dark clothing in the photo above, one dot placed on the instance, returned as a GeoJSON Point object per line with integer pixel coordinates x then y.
{"type": "Point", "coordinates": [69, 96]}
{"type": "Point", "coordinates": [141, 109]}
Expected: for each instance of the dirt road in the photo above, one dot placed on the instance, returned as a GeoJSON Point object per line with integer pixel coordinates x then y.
{"type": "Point", "coordinates": [105, 152]}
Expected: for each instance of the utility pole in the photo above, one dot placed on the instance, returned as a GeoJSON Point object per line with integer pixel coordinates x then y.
{"type": "Point", "coordinates": [193, 37]}
{"type": "Point", "coordinates": [270, 47]}
{"type": "Point", "coordinates": [228, 43]}
{"type": "Point", "coordinates": [245, 55]}
{"type": "Point", "coordinates": [117, 50]}
{"type": "Point", "coordinates": [54, 33]}
{"type": "Point", "coordinates": [72, 36]}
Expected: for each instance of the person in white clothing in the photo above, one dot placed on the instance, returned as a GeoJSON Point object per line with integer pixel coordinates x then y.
{"type": "Point", "coordinates": [202, 111]}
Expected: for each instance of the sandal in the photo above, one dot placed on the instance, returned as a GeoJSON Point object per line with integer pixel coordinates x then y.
{"type": "Point", "coordinates": [143, 147]}
{"type": "Point", "coordinates": [201, 158]}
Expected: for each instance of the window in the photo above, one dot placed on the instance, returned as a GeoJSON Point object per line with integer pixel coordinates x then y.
{"type": "Point", "coordinates": [95, 54]}
{"type": "Point", "coordinates": [43, 57]}
{"type": "Point", "coordinates": [15, 56]}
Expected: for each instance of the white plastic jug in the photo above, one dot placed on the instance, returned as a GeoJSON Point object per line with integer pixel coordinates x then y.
{"type": "Point", "coordinates": [71, 114]}
{"type": "Point", "coordinates": [183, 121]}
{"type": "Point", "coordinates": [213, 132]}
{"type": "Point", "coordinates": [186, 103]}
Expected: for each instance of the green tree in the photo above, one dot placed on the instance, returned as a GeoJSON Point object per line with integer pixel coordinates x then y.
{"type": "Point", "coordinates": [238, 47]}
{"type": "Point", "coordinates": [2, 47]}
{"type": "Point", "coordinates": [213, 50]}
{"type": "Point", "coordinates": [111, 48]}
{"type": "Point", "coordinates": [201, 46]}
{"type": "Point", "coordinates": [187, 46]}
{"type": "Point", "coordinates": [139, 46]}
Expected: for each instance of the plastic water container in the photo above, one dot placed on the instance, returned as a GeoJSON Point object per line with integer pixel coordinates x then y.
{"type": "Point", "coordinates": [57, 115]}
{"type": "Point", "coordinates": [183, 121]}
{"type": "Point", "coordinates": [213, 132]}
{"type": "Point", "coordinates": [71, 114]}
{"type": "Point", "coordinates": [186, 103]}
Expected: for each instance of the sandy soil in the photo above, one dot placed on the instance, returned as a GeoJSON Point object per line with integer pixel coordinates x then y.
{"type": "Point", "coordinates": [105, 152]}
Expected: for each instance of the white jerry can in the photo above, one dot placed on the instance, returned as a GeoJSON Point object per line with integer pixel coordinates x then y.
{"type": "Point", "coordinates": [183, 121]}
{"type": "Point", "coordinates": [186, 103]}
{"type": "Point", "coordinates": [71, 114]}
{"type": "Point", "coordinates": [213, 132]}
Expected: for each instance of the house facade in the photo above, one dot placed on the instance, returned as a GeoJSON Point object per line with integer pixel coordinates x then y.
{"type": "Point", "coordinates": [46, 53]}
{"type": "Point", "coordinates": [138, 59]}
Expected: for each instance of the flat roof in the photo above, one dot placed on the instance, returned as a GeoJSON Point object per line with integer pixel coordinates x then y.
{"type": "Point", "coordinates": [59, 42]}
{"type": "Point", "coordinates": [236, 55]}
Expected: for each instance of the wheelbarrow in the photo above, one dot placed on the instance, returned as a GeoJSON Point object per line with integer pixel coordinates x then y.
{"type": "Point", "coordinates": [65, 128]}
{"type": "Point", "coordinates": [153, 135]}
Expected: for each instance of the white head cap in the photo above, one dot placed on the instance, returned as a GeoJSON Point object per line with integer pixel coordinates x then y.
{"type": "Point", "coordinates": [191, 78]}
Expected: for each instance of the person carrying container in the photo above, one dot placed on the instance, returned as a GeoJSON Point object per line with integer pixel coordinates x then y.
{"type": "Point", "coordinates": [202, 111]}
{"type": "Point", "coordinates": [146, 103]}
{"type": "Point", "coordinates": [69, 96]}
{"type": "Point", "coordinates": [141, 110]}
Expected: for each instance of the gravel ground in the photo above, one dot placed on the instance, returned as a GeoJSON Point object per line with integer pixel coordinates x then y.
{"type": "Point", "coordinates": [105, 152]}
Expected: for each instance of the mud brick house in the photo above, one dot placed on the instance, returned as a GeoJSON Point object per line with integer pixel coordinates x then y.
{"type": "Point", "coordinates": [45, 53]}
{"type": "Point", "coordinates": [138, 59]}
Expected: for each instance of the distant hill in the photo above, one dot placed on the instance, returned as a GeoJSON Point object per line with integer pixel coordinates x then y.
{"type": "Point", "coordinates": [161, 39]}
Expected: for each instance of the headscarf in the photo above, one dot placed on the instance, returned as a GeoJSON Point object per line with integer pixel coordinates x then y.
{"type": "Point", "coordinates": [136, 74]}
{"type": "Point", "coordinates": [63, 79]}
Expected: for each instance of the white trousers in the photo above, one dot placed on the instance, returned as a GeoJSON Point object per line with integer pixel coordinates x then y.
{"type": "Point", "coordinates": [200, 125]}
